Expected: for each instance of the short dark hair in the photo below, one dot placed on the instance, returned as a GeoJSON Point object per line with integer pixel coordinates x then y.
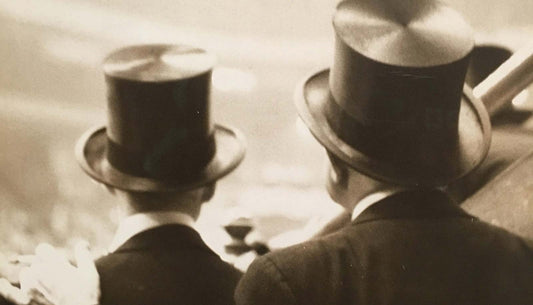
{"type": "Point", "coordinates": [156, 201]}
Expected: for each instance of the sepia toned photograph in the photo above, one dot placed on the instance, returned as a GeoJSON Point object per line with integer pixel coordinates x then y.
{"type": "Point", "coordinates": [354, 152]}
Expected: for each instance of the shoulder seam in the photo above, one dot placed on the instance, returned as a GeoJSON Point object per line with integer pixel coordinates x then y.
{"type": "Point", "coordinates": [283, 277]}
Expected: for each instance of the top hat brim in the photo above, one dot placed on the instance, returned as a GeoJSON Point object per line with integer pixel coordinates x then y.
{"type": "Point", "coordinates": [474, 134]}
{"type": "Point", "coordinates": [91, 155]}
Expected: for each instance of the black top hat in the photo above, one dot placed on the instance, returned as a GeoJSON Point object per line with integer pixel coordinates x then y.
{"type": "Point", "coordinates": [159, 135]}
{"type": "Point", "coordinates": [393, 105]}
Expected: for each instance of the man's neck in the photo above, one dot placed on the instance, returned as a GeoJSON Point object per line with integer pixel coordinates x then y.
{"type": "Point", "coordinates": [140, 222]}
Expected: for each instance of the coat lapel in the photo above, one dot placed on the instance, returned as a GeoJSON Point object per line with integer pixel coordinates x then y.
{"type": "Point", "coordinates": [413, 205]}
{"type": "Point", "coordinates": [171, 236]}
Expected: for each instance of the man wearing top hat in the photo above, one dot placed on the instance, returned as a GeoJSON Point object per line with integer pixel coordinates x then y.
{"type": "Point", "coordinates": [397, 125]}
{"type": "Point", "coordinates": [160, 155]}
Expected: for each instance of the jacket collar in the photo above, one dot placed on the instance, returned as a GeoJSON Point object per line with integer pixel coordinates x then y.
{"type": "Point", "coordinates": [419, 204]}
{"type": "Point", "coordinates": [371, 199]}
{"type": "Point", "coordinates": [139, 222]}
{"type": "Point", "coordinates": [170, 236]}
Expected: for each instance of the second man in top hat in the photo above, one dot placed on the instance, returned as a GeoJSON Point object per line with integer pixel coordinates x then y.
{"type": "Point", "coordinates": [397, 125]}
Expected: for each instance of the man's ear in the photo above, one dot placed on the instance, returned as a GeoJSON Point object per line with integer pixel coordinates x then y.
{"type": "Point", "coordinates": [208, 192]}
{"type": "Point", "coordinates": [337, 180]}
{"type": "Point", "coordinates": [338, 172]}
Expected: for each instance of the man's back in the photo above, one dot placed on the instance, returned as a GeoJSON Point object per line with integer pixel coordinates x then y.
{"type": "Point", "coordinates": [166, 265]}
{"type": "Point", "coordinates": [411, 248]}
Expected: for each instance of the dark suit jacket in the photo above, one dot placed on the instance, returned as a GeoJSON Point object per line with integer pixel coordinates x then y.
{"type": "Point", "coordinates": [166, 265]}
{"type": "Point", "coordinates": [411, 248]}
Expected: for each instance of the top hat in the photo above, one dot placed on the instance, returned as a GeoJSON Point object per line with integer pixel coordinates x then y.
{"type": "Point", "coordinates": [394, 105]}
{"type": "Point", "coordinates": [159, 135]}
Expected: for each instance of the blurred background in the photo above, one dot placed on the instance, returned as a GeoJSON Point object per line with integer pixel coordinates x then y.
{"type": "Point", "coordinates": [52, 89]}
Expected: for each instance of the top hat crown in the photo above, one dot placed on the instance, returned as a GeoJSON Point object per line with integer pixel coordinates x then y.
{"type": "Point", "coordinates": [408, 33]}
{"type": "Point", "coordinates": [393, 105]}
{"type": "Point", "coordinates": [159, 134]}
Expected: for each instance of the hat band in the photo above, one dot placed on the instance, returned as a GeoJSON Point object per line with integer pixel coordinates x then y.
{"type": "Point", "coordinates": [396, 141]}
{"type": "Point", "coordinates": [176, 162]}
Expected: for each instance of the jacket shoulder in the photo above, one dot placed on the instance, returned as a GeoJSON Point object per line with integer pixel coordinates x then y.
{"type": "Point", "coordinates": [289, 276]}
{"type": "Point", "coordinates": [514, 243]}
{"type": "Point", "coordinates": [163, 277]}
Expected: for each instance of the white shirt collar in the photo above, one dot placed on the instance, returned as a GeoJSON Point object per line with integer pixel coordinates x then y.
{"type": "Point", "coordinates": [140, 222]}
{"type": "Point", "coordinates": [369, 200]}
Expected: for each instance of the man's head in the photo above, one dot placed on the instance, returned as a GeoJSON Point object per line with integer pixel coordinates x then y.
{"type": "Point", "coordinates": [160, 143]}
{"type": "Point", "coordinates": [393, 105]}
{"type": "Point", "coordinates": [188, 202]}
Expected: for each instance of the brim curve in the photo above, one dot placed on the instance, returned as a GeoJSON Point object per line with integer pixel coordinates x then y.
{"type": "Point", "coordinates": [90, 153]}
{"type": "Point", "coordinates": [474, 136]}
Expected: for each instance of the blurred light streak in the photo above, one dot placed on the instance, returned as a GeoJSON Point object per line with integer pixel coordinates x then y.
{"type": "Point", "coordinates": [521, 99]}
{"type": "Point", "coordinates": [289, 202]}
{"type": "Point", "coordinates": [230, 214]}
{"type": "Point", "coordinates": [26, 108]}
{"type": "Point", "coordinates": [74, 51]}
{"type": "Point", "coordinates": [231, 79]}
{"type": "Point", "coordinates": [274, 173]}
{"type": "Point", "coordinates": [98, 21]}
